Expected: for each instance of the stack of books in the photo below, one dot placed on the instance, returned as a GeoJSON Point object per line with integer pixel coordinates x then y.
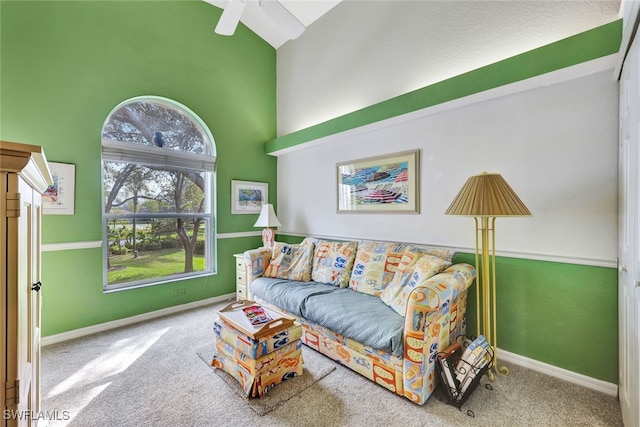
{"type": "Point", "coordinates": [461, 365]}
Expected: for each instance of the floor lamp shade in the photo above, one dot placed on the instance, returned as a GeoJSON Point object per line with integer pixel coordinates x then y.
{"type": "Point", "coordinates": [267, 219]}
{"type": "Point", "coordinates": [487, 194]}
{"type": "Point", "coordinates": [485, 197]}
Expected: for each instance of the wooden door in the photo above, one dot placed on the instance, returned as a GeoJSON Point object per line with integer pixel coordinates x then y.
{"type": "Point", "coordinates": [23, 305]}
{"type": "Point", "coordinates": [629, 242]}
{"type": "Point", "coordinates": [29, 300]}
{"type": "Point", "coordinates": [24, 176]}
{"type": "Point", "coordinates": [35, 299]}
{"type": "Point", "coordinates": [6, 387]}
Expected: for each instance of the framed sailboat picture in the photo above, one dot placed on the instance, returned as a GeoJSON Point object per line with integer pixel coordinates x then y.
{"type": "Point", "coordinates": [380, 184]}
{"type": "Point", "coordinates": [59, 197]}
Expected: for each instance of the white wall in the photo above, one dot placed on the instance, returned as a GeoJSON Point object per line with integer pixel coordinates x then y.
{"type": "Point", "coordinates": [363, 52]}
{"type": "Point", "coordinates": [555, 145]}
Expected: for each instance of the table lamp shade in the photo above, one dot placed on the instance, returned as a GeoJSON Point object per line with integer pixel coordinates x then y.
{"type": "Point", "coordinates": [487, 195]}
{"type": "Point", "coordinates": [267, 219]}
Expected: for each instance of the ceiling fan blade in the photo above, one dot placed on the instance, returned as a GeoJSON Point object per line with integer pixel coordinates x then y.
{"type": "Point", "coordinates": [230, 17]}
{"type": "Point", "coordinates": [281, 16]}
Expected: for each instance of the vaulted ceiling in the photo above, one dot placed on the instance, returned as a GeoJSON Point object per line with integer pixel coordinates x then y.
{"type": "Point", "coordinates": [575, 13]}
{"type": "Point", "coordinates": [305, 11]}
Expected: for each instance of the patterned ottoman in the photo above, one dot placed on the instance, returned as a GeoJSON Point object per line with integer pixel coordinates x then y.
{"type": "Point", "coordinates": [258, 362]}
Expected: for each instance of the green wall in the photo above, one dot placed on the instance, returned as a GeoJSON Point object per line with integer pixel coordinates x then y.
{"type": "Point", "coordinates": [565, 315]}
{"type": "Point", "coordinates": [65, 65]}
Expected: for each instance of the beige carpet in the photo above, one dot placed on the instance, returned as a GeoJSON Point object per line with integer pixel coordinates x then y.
{"type": "Point", "coordinates": [316, 367]}
{"type": "Point", "coordinates": [149, 374]}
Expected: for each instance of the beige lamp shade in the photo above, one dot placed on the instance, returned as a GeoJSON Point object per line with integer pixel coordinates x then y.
{"type": "Point", "coordinates": [487, 195]}
{"type": "Point", "coordinates": [267, 217]}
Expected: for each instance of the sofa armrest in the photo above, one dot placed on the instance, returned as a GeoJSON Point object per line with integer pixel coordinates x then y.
{"type": "Point", "coordinates": [256, 262]}
{"type": "Point", "coordinates": [459, 275]}
{"type": "Point", "coordinates": [427, 327]}
{"type": "Point", "coordinates": [421, 335]}
{"type": "Point", "coordinates": [444, 287]}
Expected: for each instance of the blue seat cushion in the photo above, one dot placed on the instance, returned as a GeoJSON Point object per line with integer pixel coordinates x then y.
{"type": "Point", "coordinates": [354, 315]}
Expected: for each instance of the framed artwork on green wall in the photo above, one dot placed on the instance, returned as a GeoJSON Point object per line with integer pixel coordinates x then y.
{"type": "Point", "coordinates": [247, 197]}
{"type": "Point", "coordinates": [59, 197]}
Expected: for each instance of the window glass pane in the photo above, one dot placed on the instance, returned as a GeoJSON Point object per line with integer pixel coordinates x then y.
{"type": "Point", "coordinates": [144, 249]}
{"type": "Point", "coordinates": [153, 123]}
{"type": "Point", "coordinates": [134, 188]}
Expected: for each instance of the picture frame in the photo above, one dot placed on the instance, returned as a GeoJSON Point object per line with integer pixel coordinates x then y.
{"type": "Point", "coordinates": [388, 184]}
{"type": "Point", "coordinates": [59, 198]}
{"type": "Point", "coordinates": [247, 197]}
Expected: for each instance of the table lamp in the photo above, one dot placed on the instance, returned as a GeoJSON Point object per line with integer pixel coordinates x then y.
{"type": "Point", "coordinates": [267, 219]}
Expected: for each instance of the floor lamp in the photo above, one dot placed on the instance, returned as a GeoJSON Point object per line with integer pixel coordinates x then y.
{"type": "Point", "coordinates": [486, 197]}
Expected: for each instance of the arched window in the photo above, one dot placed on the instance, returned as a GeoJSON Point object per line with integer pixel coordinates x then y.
{"type": "Point", "coordinates": [158, 162]}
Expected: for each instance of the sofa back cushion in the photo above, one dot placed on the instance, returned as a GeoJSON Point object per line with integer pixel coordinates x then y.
{"type": "Point", "coordinates": [374, 266]}
{"type": "Point", "coordinates": [445, 254]}
{"type": "Point", "coordinates": [333, 262]}
{"type": "Point", "coordinates": [414, 269]}
{"type": "Point", "coordinates": [376, 263]}
{"type": "Point", "coordinates": [291, 261]}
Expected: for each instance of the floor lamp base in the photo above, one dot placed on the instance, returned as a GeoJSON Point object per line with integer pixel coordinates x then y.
{"type": "Point", "coordinates": [486, 317]}
{"type": "Point", "coordinates": [503, 370]}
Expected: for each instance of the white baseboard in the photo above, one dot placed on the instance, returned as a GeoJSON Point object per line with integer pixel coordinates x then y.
{"type": "Point", "coordinates": [81, 332]}
{"type": "Point", "coordinates": [563, 374]}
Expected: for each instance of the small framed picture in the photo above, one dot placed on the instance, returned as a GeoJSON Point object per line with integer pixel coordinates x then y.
{"type": "Point", "coordinates": [247, 197]}
{"type": "Point", "coordinates": [388, 184]}
{"type": "Point", "coordinates": [59, 197]}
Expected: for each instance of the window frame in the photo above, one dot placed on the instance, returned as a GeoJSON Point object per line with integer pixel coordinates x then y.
{"type": "Point", "coordinates": [150, 155]}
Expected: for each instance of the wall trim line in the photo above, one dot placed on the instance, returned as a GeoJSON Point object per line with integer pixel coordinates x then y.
{"type": "Point", "coordinates": [102, 327]}
{"type": "Point", "coordinates": [92, 244]}
{"type": "Point", "coordinates": [239, 234]}
{"type": "Point", "coordinates": [593, 262]}
{"type": "Point", "coordinates": [605, 387]}
{"type": "Point", "coordinates": [67, 246]}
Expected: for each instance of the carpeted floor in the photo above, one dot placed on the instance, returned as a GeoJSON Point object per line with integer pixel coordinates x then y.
{"type": "Point", "coordinates": [316, 367]}
{"type": "Point", "coordinates": [149, 374]}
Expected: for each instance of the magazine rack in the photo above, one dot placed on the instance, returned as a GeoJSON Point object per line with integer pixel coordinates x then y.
{"type": "Point", "coordinates": [454, 393]}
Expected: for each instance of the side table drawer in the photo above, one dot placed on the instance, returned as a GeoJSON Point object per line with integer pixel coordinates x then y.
{"type": "Point", "coordinates": [241, 292]}
{"type": "Point", "coordinates": [241, 278]}
{"type": "Point", "coordinates": [240, 263]}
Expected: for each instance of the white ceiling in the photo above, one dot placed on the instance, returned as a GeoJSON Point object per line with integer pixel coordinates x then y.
{"type": "Point", "coordinates": [306, 11]}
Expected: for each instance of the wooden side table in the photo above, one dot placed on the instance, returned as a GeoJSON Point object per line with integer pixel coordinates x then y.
{"type": "Point", "coordinates": [241, 278]}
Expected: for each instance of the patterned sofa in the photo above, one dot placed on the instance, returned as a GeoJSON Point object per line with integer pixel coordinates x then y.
{"type": "Point", "coordinates": [382, 309]}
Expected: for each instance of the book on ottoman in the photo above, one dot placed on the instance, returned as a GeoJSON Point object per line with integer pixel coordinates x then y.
{"type": "Point", "coordinates": [242, 315]}
{"type": "Point", "coordinates": [258, 376]}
